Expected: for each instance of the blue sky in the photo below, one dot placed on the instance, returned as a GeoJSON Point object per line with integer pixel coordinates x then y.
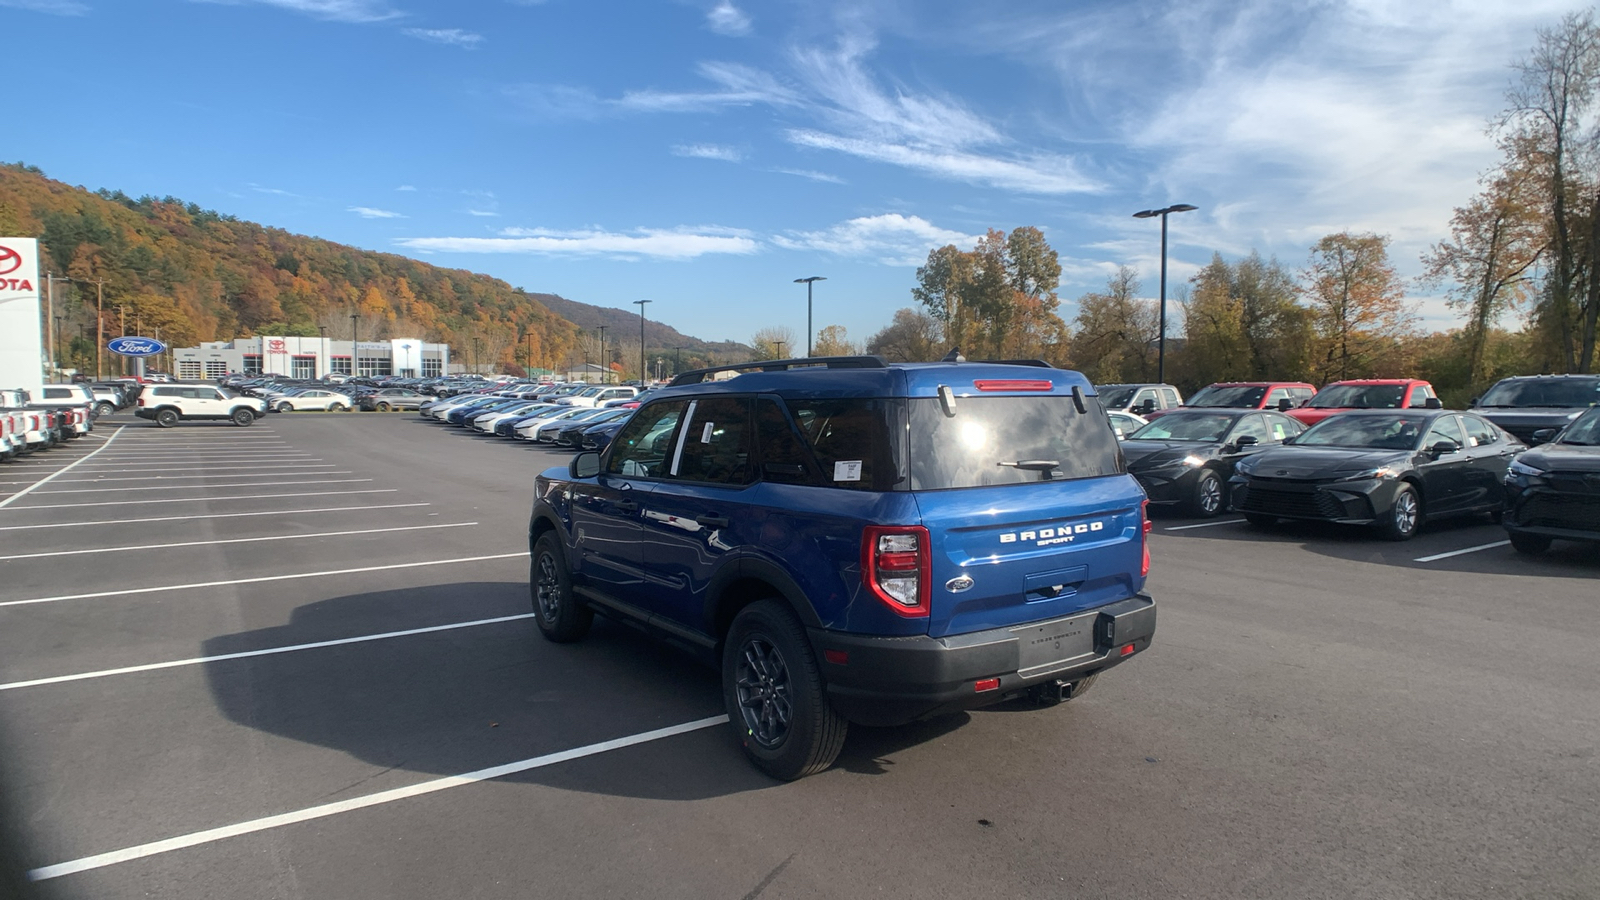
{"type": "Point", "coordinates": [703, 154]}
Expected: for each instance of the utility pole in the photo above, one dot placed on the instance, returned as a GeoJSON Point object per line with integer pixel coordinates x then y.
{"type": "Point", "coordinates": [99, 329]}
{"type": "Point", "coordinates": [51, 326]}
{"type": "Point", "coordinates": [642, 371]}
{"type": "Point", "coordinates": [55, 347]}
{"type": "Point", "coordinates": [355, 345]}
{"type": "Point", "coordinates": [605, 375]}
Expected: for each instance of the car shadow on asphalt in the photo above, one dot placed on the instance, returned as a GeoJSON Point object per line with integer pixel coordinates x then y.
{"type": "Point", "coordinates": [456, 701]}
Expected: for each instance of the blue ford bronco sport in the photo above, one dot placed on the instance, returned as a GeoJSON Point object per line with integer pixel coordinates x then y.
{"type": "Point", "coordinates": [853, 540]}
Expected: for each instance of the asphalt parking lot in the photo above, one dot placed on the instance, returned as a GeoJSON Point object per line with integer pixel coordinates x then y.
{"type": "Point", "coordinates": [295, 660]}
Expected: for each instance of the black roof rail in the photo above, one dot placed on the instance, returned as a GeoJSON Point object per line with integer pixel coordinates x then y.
{"type": "Point", "coordinates": [1038, 363]}
{"type": "Point", "coordinates": [696, 376]}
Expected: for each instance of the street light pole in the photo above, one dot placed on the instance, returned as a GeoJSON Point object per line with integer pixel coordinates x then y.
{"type": "Point", "coordinates": [604, 366]}
{"type": "Point", "coordinates": [355, 345]}
{"type": "Point", "coordinates": [642, 372]}
{"type": "Point", "coordinates": [808, 282]}
{"type": "Point", "coordinates": [1161, 339]}
{"type": "Point", "coordinates": [780, 348]}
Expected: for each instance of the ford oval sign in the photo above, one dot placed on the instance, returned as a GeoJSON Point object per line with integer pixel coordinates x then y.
{"type": "Point", "coordinates": [136, 346]}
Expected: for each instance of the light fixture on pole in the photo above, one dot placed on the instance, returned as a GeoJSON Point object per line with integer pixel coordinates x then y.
{"type": "Point", "coordinates": [808, 282]}
{"type": "Point", "coordinates": [642, 372]}
{"type": "Point", "coordinates": [1161, 339]}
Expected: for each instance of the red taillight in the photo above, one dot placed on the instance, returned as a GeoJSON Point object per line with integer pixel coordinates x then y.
{"type": "Point", "coordinates": [141, 401]}
{"type": "Point", "coordinates": [1012, 384]}
{"type": "Point", "coordinates": [1127, 650]}
{"type": "Point", "coordinates": [1144, 537]}
{"type": "Point", "coordinates": [897, 567]}
{"type": "Point", "coordinates": [987, 684]}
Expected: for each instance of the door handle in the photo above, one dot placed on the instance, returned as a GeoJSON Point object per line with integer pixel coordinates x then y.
{"type": "Point", "coordinates": [712, 521]}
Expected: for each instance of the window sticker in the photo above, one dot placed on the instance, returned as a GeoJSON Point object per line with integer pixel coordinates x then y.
{"type": "Point", "coordinates": [847, 470]}
{"type": "Point", "coordinates": [705, 433]}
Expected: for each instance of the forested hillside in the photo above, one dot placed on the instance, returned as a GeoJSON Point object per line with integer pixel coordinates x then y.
{"type": "Point", "coordinates": [197, 275]}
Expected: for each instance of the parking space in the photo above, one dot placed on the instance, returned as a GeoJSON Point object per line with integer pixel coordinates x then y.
{"type": "Point", "coordinates": [295, 660]}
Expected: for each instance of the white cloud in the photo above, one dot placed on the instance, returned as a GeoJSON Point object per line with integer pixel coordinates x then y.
{"type": "Point", "coordinates": [405, 187]}
{"type": "Point", "coordinates": [329, 10]}
{"type": "Point", "coordinates": [367, 212]}
{"type": "Point", "coordinates": [737, 85]}
{"type": "Point", "coordinates": [725, 18]}
{"type": "Point", "coordinates": [891, 238]}
{"type": "Point", "coordinates": [708, 151]}
{"type": "Point", "coordinates": [482, 212]}
{"type": "Point", "coordinates": [644, 243]}
{"type": "Point", "coordinates": [1028, 175]}
{"type": "Point", "coordinates": [813, 175]}
{"type": "Point", "coordinates": [52, 7]}
{"type": "Point", "coordinates": [453, 37]}
{"type": "Point", "coordinates": [277, 192]}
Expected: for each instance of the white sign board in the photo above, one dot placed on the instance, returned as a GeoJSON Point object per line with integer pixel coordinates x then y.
{"type": "Point", "coordinates": [21, 341]}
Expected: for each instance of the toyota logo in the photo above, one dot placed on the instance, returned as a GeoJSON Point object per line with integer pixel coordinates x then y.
{"type": "Point", "coordinates": [10, 260]}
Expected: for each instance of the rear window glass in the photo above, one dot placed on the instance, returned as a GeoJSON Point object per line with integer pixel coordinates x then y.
{"type": "Point", "coordinates": [1007, 440]}
{"type": "Point", "coordinates": [1229, 396]}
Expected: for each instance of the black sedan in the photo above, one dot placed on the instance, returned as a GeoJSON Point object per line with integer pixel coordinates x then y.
{"type": "Point", "coordinates": [1553, 491]}
{"type": "Point", "coordinates": [1387, 468]}
{"type": "Point", "coordinates": [1187, 456]}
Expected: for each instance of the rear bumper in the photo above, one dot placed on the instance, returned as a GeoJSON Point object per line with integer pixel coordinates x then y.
{"type": "Point", "coordinates": [894, 680]}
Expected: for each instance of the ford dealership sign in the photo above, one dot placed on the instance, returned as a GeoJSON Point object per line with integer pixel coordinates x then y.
{"type": "Point", "coordinates": [136, 346]}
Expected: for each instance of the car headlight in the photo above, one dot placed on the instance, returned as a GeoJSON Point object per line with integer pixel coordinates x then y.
{"type": "Point", "coordinates": [1380, 472]}
{"type": "Point", "coordinates": [1519, 467]}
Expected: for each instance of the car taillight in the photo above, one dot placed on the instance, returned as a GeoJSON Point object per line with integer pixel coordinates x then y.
{"type": "Point", "coordinates": [896, 564]}
{"type": "Point", "coordinates": [1144, 536]}
{"type": "Point", "coordinates": [141, 401]}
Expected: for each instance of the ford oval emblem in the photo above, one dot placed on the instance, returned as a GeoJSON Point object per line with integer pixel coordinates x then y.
{"type": "Point", "coordinates": [958, 584]}
{"type": "Point", "coordinates": [136, 346]}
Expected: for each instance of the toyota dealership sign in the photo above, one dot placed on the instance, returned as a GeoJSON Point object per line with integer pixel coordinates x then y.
{"type": "Point", "coordinates": [21, 342]}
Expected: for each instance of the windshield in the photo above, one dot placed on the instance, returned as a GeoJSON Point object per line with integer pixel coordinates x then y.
{"type": "Point", "coordinates": [1116, 397]}
{"type": "Point", "coordinates": [1008, 440]}
{"type": "Point", "coordinates": [1397, 432]}
{"type": "Point", "coordinates": [1207, 427]}
{"type": "Point", "coordinates": [1239, 396]}
{"type": "Point", "coordinates": [1584, 430]}
{"type": "Point", "coordinates": [1359, 396]}
{"type": "Point", "coordinates": [1563, 393]}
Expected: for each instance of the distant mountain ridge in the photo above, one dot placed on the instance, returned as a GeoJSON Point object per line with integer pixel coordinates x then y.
{"type": "Point", "coordinates": [624, 324]}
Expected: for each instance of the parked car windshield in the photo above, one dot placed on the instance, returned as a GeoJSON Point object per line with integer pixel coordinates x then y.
{"type": "Point", "coordinates": [1116, 398]}
{"type": "Point", "coordinates": [1359, 396]}
{"type": "Point", "coordinates": [1584, 430]}
{"type": "Point", "coordinates": [1207, 427]}
{"type": "Point", "coordinates": [1397, 432]}
{"type": "Point", "coordinates": [1008, 440]}
{"type": "Point", "coordinates": [1555, 393]}
{"type": "Point", "coordinates": [1242, 396]}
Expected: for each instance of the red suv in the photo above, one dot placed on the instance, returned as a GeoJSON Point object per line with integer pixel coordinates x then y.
{"type": "Point", "coordinates": [1367, 393]}
{"type": "Point", "coordinates": [1280, 395]}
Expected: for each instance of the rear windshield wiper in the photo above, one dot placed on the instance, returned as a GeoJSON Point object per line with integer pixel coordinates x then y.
{"type": "Point", "coordinates": [1043, 466]}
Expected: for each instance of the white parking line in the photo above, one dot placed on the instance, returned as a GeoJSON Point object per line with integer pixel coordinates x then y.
{"type": "Point", "coordinates": [247, 654]}
{"type": "Point", "coordinates": [147, 467]}
{"type": "Point", "coordinates": [1203, 525]}
{"type": "Point", "coordinates": [46, 480]}
{"type": "Point", "coordinates": [329, 809]}
{"type": "Point", "coordinates": [249, 540]}
{"type": "Point", "coordinates": [99, 479]}
{"type": "Point", "coordinates": [1439, 556]}
{"type": "Point", "coordinates": [238, 515]}
{"type": "Point", "coordinates": [193, 487]}
{"type": "Point", "coordinates": [261, 579]}
{"type": "Point", "coordinates": [204, 499]}
{"type": "Point", "coordinates": [242, 456]}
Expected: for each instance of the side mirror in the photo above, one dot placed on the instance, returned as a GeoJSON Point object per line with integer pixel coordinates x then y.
{"type": "Point", "coordinates": [1147, 407]}
{"type": "Point", "coordinates": [1543, 435]}
{"type": "Point", "coordinates": [1432, 403]}
{"type": "Point", "coordinates": [1285, 404]}
{"type": "Point", "coordinates": [1473, 401]}
{"type": "Point", "coordinates": [1245, 441]}
{"type": "Point", "coordinates": [584, 465]}
{"type": "Point", "coordinates": [1443, 447]}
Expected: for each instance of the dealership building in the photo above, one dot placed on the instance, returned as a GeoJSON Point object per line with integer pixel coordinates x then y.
{"type": "Point", "coordinates": [311, 357]}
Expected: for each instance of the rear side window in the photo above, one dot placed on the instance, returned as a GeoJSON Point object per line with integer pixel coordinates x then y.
{"type": "Point", "coordinates": [716, 443]}
{"type": "Point", "coordinates": [1479, 432]}
{"type": "Point", "coordinates": [1171, 396]}
{"type": "Point", "coordinates": [853, 441]}
{"type": "Point", "coordinates": [1008, 440]}
{"type": "Point", "coordinates": [168, 392]}
{"type": "Point", "coordinates": [57, 393]}
{"type": "Point", "coordinates": [784, 459]}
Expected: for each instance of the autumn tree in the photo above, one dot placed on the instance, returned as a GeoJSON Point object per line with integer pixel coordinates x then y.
{"type": "Point", "coordinates": [1243, 322]}
{"type": "Point", "coordinates": [832, 340]}
{"type": "Point", "coordinates": [913, 336]}
{"type": "Point", "coordinates": [1116, 332]}
{"type": "Point", "coordinates": [776, 342]}
{"type": "Point", "coordinates": [1357, 302]}
{"type": "Point", "coordinates": [997, 300]}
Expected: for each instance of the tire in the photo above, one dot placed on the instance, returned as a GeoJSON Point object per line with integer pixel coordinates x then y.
{"type": "Point", "coordinates": [1530, 544]}
{"type": "Point", "coordinates": [242, 417]}
{"type": "Point", "coordinates": [1260, 520]}
{"type": "Point", "coordinates": [338, 407]}
{"type": "Point", "coordinates": [383, 407]}
{"type": "Point", "coordinates": [167, 418]}
{"type": "Point", "coordinates": [1404, 516]}
{"type": "Point", "coordinates": [103, 409]}
{"type": "Point", "coordinates": [775, 697]}
{"type": "Point", "coordinates": [561, 616]}
{"type": "Point", "coordinates": [284, 407]}
{"type": "Point", "coordinates": [1209, 495]}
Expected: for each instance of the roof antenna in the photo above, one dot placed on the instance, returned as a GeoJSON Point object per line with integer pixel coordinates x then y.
{"type": "Point", "coordinates": [954, 356]}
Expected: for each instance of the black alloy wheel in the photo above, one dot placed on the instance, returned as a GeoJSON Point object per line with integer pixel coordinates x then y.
{"type": "Point", "coordinates": [776, 700]}
{"type": "Point", "coordinates": [1404, 517]}
{"type": "Point", "coordinates": [242, 417]}
{"type": "Point", "coordinates": [167, 418]}
{"type": "Point", "coordinates": [1530, 544]}
{"type": "Point", "coordinates": [561, 616]}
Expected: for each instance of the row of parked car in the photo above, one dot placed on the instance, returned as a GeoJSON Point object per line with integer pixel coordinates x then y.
{"type": "Point", "coordinates": [61, 413]}
{"type": "Point", "coordinates": [581, 416]}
